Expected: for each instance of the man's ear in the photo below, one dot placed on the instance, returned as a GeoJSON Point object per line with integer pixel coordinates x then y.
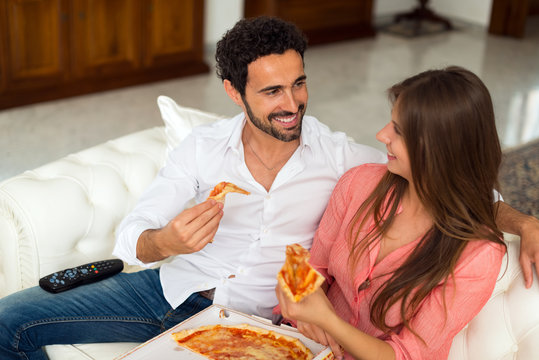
{"type": "Point", "coordinates": [232, 92]}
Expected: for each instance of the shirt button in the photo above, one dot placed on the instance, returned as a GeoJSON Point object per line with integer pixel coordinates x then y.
{"type": "Point", "coordinates": [268, 197]}
{"type": "Point", "coordinates": [265, 230]}
{"type": "Point", "coordinates": [355, 298]}
{"type": "Point", "coordinates": [514, 348]}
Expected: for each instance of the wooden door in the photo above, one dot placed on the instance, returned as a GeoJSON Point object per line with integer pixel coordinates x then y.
{"type": "Point", "coordinates": [33, 44]}
{"type": "Point", "coordinates": [173, 31]}
{"type": "Point", "coordinates": [322, 21]}
{"type": "Point", "coordinates": [508, 17]}
{"type": "Point", "coordinates": [105, 37]}
{"type": "Point", "coordinates": [3, 50]}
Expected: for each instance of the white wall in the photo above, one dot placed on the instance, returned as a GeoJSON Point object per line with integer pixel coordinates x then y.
{"type": "Point", "coordinates": [391, 7]}
{"type": "Point", "coordinates": [220, 15]}
{"type": "Point", "coordinates": [473, 11]}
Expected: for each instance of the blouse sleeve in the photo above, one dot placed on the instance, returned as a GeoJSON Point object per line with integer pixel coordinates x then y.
{"type": "Point", "coordinates": [474, 280]}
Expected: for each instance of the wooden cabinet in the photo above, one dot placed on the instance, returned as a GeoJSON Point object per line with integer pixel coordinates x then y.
{"type": "Point", "coordinates": [57, 48]}
{"type": "Point", "coordinates": [105, 38]}
{"type": "Point", "coordinates": [34, 44]}
{"type": "Point", "coordinates": [169, 39]}
{"type": "Point", "coordinates": [322, 21]}
{"type": "Point", "coordinates": [508, 17]}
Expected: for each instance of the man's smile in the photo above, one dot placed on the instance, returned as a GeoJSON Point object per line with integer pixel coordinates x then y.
{"type": "Point", "coordinates": [287, 121]}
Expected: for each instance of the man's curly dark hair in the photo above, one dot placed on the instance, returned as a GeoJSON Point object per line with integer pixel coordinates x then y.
{"type": "Point", "coordinates": [250, 39]}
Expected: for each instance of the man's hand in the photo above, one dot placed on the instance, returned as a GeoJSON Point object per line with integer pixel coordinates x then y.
{"type": "Point", "coordinates": [529, 249]}
{"type": "Point", "coordinates": [187, 233]}
{"type": "Point", "coordinates": [527, 227]}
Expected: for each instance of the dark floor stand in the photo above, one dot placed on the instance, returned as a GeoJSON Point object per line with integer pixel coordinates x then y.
{"type": "Point", "coordinates": [420, 14]}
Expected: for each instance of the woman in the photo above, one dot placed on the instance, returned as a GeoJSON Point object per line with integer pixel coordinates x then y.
{"type": "Point", "coordinates": [410, 250]}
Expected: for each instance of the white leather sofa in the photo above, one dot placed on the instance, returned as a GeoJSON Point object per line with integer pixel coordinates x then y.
{"type": "Point", "coordinates": [66, 213]}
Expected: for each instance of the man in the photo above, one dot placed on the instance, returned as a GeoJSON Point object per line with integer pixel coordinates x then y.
{"type": "Point", "coordinates": [225, 255]}
{"type": "Point", "coordinates": [287, 161]}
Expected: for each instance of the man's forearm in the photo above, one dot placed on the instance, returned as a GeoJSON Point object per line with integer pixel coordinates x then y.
{"type": "Point", "coordinates": [527, 227]}
{"type": "Point", "coordinates": [512, 221]}
{"type": "Point", "coordinates": [147, 247]}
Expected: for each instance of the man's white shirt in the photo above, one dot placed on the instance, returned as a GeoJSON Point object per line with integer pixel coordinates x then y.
{"type": "Point", "coordinates": [249, 247]}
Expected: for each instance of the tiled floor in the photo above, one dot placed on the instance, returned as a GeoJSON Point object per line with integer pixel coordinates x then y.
{"type": "Point", "coordinates": [346, 83]}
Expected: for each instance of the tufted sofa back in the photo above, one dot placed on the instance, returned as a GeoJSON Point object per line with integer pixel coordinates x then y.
{"type": "Point", "coordinates": [66, 213]}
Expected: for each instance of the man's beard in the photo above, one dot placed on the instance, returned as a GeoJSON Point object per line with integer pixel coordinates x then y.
{"type": "Point", "coordinates": [288, 134]}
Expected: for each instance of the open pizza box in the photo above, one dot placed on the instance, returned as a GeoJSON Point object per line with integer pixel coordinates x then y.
{"type": "Point", "coordinates": [164, 347]}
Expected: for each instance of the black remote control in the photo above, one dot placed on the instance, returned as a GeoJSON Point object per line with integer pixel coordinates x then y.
{"type": "Point", "coordinates": [84, 274]}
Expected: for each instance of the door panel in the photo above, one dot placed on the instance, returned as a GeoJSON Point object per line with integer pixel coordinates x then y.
{"type": "Point", "coordinates": [105, 37]}
{"type": "Point", "coordinates": [34, 48]}
{"type": "Point", "coordinates": [173, 30]}
{"type": "Point", "coordinates": [508, 17]}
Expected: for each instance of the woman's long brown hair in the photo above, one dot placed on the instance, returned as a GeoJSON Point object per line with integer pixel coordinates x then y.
{"type": "Point", "coordinates": [447, 122]}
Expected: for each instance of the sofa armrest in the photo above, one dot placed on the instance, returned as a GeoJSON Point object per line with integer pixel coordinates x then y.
{"type": "Point", "coordinates": [66, 213]}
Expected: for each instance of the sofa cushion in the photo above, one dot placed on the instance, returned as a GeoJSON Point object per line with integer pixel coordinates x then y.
{"type": "Point", "coordinates": [179, 120]}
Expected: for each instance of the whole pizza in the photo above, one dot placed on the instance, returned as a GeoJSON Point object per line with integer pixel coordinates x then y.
{"type": "Point", "coordinates": [241, 341]}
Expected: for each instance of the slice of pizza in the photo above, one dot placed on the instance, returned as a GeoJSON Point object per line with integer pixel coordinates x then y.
{"type": "Point", "coordinates": [220, 190]}
{"type": "Point", "coordinates": [241, 341]}
{"type": "Point", "coordinates": [297, 277]}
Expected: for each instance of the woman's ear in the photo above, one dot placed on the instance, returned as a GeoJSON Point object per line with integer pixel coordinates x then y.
{"type": "Point", "coordinates": [232, 92]}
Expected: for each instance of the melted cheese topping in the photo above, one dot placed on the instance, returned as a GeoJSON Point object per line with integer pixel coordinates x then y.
{"type": "Point", "coordinates": [297, 276]}
{"type": "Point", "coordinates": [229, 342]}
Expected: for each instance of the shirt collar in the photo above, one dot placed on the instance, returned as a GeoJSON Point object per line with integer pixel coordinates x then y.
{"type": "Point", "coordinates": [234, 142]}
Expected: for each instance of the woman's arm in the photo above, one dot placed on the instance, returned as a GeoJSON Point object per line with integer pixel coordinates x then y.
{"type": "Point", "coordinates": [436, 323]}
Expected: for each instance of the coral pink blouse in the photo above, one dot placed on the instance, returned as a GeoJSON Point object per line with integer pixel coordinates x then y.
{"type": "Point", "coordinates": [475, 276]}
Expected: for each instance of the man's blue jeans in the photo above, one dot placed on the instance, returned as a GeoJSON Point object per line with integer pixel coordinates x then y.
{"type": "Point", "coordinates": [122, 308]}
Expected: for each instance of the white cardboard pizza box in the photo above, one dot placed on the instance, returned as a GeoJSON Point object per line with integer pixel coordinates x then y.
{"type": "Point", "coordinates": [163, 347]}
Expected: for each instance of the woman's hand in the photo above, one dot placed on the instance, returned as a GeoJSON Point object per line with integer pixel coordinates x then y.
{"type": "Point", "coordinates": [308, 313]}
{"type": "Point", "coordinates": [309, 309]}
{"type": "Point", "coordinates": [320, 336]}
